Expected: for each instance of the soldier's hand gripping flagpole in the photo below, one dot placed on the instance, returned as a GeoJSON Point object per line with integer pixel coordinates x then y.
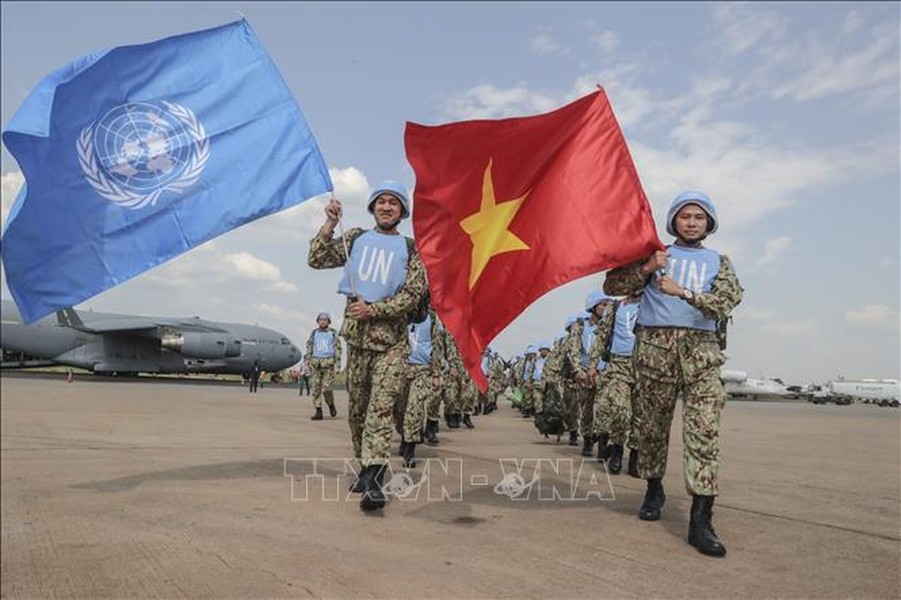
{"type": "Point", "coordinates": [350, 279]}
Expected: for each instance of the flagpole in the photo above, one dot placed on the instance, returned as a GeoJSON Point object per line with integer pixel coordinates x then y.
{"type": "Point", "coordinates": [350, 279]}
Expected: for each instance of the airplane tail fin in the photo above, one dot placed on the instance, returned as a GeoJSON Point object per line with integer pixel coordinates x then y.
{"type": "Point", "coordinates": [67, 317]}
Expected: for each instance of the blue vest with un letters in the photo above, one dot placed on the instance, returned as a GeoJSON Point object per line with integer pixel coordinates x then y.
{"type": "Point", "coordinates": [421, 342]}
{"type": "Point", "coordinates": [692, 268]}
{"type": "Point", "coordinates": [624, 329]}
{"type": "Point", "coordinates": [378, 265]}
{"type": "Point", "coordinates": [323, 344]}
{"type": "Point", "coordinates": [539, 367]}
{"type": "Point", "coordinates": [589, 332]}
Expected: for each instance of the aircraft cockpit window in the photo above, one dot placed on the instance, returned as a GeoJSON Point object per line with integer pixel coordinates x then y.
{"type": "Point", "coordinates": [286, 342]}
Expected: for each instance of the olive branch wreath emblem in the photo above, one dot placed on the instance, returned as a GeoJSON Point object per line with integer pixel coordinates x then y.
{"type": "Point", "coordinates": [114, 192]}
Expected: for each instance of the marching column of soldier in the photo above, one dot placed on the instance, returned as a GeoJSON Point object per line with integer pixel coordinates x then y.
{"type": "Point", "coordinates": [610, 378]}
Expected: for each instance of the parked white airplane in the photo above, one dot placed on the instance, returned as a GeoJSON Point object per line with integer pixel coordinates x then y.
{"type": "Point", "coordinates": [739, 385]}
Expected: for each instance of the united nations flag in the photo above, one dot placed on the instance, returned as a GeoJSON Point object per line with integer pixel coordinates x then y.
{"type": "Point", "coordinates": [137, 154]}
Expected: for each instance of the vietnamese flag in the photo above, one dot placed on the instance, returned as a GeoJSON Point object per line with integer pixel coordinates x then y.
{"type": "Point", "coordinates": [507, 210]}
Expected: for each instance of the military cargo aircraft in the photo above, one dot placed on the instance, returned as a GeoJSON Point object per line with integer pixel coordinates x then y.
{"type": "Point", "coordinates": [113, 344]}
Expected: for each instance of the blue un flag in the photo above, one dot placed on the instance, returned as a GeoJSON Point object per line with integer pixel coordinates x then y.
{"type": "Point", "coordinates": [137, 154]}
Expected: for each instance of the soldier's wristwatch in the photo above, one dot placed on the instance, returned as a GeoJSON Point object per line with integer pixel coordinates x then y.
{"type": "Point", "coordinates": [687, 294]}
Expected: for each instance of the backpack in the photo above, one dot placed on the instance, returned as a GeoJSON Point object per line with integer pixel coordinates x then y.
{"type": "Point", "coordinates": [421, 310]}
{"type": "Point", "coordinates": [551, 421]}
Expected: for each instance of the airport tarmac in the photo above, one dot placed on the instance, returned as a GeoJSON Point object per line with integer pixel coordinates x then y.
{"type": "Point", "coordinates": [116, 489]}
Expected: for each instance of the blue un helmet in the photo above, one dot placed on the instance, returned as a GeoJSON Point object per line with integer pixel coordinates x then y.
{"type": "Point", "coordinates": [394, 188]}
{"type": "Point", "coordinates": [531, 349]}
{"type": "Point", "coordinates": [692, 197]}
{"type": "Point", "coordinates": [593, 299]}
{"type": "Point", "coordinates": [324, 314]}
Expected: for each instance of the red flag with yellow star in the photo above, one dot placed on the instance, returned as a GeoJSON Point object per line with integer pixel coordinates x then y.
{"type": "Point", "coordinates": [507, 210]}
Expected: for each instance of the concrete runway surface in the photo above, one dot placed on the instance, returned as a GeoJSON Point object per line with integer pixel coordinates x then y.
{"type": "Point", "coordinates": [168, 490]}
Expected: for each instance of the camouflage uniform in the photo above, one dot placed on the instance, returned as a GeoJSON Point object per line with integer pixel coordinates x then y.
{"type": "Point", "coordinates": [613, 400]}
{"type": "Point", "coordinates": [553, 366]}
{"type": "Point", "coordinates": [673, 360]}
{"type": "Point", "coordinates": [583, 391]}
{"type": "Point", "coordinates": [528, 367]}
{"type": "Point", "coordinates": [377, 350]}
{"type": "Point", "coordinates": [496, 379]}
{"type": "Point", "coordinates": [453, 382]}
{"type": "Point", "coordinates": [322, 371]}
{"type": "Point", "coordinates": [422, 385]}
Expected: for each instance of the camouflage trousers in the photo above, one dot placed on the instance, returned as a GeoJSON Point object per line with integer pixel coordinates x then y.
{"type": "Point", "coordinates": [322, 378]}
{"type": "Point", "coordinates": [375, 381]}
{"type": "Point", "coordinates": [495, 389]}
{"type": "Point", "coordinates": [613, 402]}
{"type": "Point", "coordinates": [572, 409]}
{"type": "Point", "coordinates": [453, 401]}
{"type": "Point", "coordinates": [584, 401]}
{"type": "Point", "coordinates": [433, 412]}
{"type": "Point", "coordinates": [420, 389]}
{"type": "Point", "coordinates": [669, 362]}
{"type": "Point", "coordinates": [469, 394]}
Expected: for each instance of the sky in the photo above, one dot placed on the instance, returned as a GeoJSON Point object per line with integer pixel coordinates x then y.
{"type": "Point", "coordinates": [787, 115]}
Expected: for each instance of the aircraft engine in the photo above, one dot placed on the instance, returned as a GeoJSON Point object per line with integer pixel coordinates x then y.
{"type": "Point", "coordinates": [202, 345]}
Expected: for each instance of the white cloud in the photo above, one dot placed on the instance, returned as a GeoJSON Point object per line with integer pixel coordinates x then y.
{"type": "Point", "coordinates": [756, 314]}
{"type": "Point", "coordinates": [742, 27]}
{"type": "Point", "coordinates": [871, 313]}
{"type": "Point", "coordinates": [607, 41]}
{"type": "Point", "coordinates": [544, 43]}
{"type": "Point", "coordinates": [489, 102]}
{"type": "Point", "coordinates": [774, 250]}
{"type": "Point", "coordinates": [206, 268]}
{"type": "Point", "coordinates": [12, 182]}
{"type": "Point", "coordinates": [798, 328]}
{"type": "Point", "coordinates": [824, 67]}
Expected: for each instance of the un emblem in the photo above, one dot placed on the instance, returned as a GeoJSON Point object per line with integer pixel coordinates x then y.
{"type": "Point", "coordinates": [137, 151]}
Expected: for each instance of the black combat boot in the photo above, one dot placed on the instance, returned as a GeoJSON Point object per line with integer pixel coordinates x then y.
{"type": "Point", "coordinates": [358, 486]}
{"type": "Point", "coordinates": [431, 432]}
{"type": "Point", "coordinates": [454, 422]}
{"type": "Point", "coordinates": [330, 400]}
{"type": "Point", "coordinates": [615, 459]}
{"type": "Point", "coordinates": [402, 449]}
{"type": "Point", "coordinates": [317, 416]}
{"type": "Point", "coordinates": [633, 463]}
{"type": "Point", "coordinates": [409, 458]}
{"type": "Point", "coordinates": [588, 445]}
{"type": "Point", "coordinates": [654, 499]}
{"type": "Point", "coordinates": [373, 496]}
{"type": "Point", "coordinates": [573, 438]}
{"type": "Point", "coordinates": [468, 422]}
{"type": "Point", "coordinates": [700, 527]}
{"type": "Point", "coordinates": [603, 449]}
{"type": "Point", "coordinates": [477, 410]}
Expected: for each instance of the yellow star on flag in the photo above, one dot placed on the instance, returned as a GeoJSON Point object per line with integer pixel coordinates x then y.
{"type": "Point", "coordinates": [489, 228]}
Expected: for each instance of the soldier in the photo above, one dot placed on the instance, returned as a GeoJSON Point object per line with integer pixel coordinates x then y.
{"type": "Point", "coordinates": [528, 369]}
{"type": "Point", "coordinates": [384, 283]}
{"type": "Point", "coordinates": [579, 344]}
{"type": "Point", "coordinates": [453, 383]}
{"type": "Point", "coordinates": [423, 374]}
{"type": "Point", "coordinates": [613, 415]}
{"type": "Point", "coordinates": [539, 379]}
{"type": "Point", "coordinates": [434, 403]}
{"type": "Point", "coordinates": [568, 378]}
{"type": "Point", "coordinates": [687, 289]}
{"type": "Point", "coordinates": [324, 359]}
